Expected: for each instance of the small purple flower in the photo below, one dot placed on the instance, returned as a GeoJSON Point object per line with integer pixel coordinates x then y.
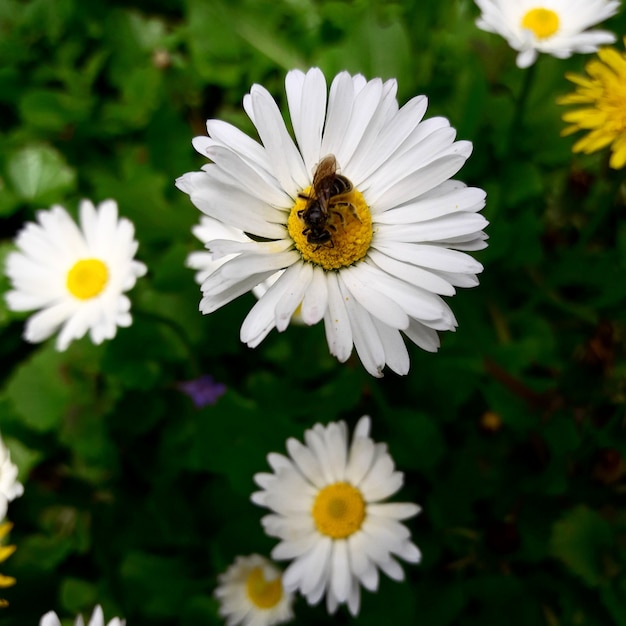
{"type": "Point", "coordinates": [204, 390]}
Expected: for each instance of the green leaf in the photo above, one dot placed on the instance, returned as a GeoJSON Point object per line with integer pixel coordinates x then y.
{"type": "Point", "coordinates": [42, 552]}
{"type": "Point", "coordinates": [40, 174]}
{"type": "Point", "coordinates": [388, 59]}
{"type": "Point", "coordinates": [77, 594]}
{"type": "Point", "coordinates": [9, 202]}
{"type": "Point", "coordinates": [156, 584]}
{"type": "Point", "coordinates": [200, 609]}
{"type": "Point", "coordinates": [426, 446]}
{"type": "Point", "coordinates": [38, 391]}
{"type": "Point", "coordinates": [53, 111]}
{"type": "Point", "coordinates": [579, 540]}
{"type": "Point", "coordinates": [5, 250]}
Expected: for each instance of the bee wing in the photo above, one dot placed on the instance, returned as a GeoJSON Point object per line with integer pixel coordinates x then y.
{"type": "Point", "coordinates": [326, 168]}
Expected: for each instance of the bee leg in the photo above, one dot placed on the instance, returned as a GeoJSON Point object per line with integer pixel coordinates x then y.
{"type": "Point", "coordinates": [345, 205]}
{"type": "Point", "coordinates": [342, 219]}
{"type": "Point", "coordinates": [352, 208]}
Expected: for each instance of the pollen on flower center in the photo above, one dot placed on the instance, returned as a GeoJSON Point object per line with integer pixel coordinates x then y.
{"type": "Point", "coordinates": [337, 240]}
{"type": "Point", "coordinates": [87, 278]}
{"type": "Point", "coordinates": [263, 593]}
{"type": "Point", "coordinates": [542, 22]}
{"type": "Point", "coordinates": [339, 510]}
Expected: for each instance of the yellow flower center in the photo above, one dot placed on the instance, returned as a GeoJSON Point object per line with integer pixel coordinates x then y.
{"type": "Point", "coordinates": [542, 22]}
{"type": "Point", "coordinates": [339, 510]}
{"type": "Point", "coordinates": [87, 278]}
{"type": "Point", "coordinates": [263, 593]}
{"type": "Point", "coordinates": [334, 236]}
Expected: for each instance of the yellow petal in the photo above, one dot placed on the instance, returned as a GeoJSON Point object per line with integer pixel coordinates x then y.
{"type": "Point", "coordinates": [577, 79]}
{"type": "Point", "coordinates": [618, 158]}
{"type": "Point", "coordinates": [6, 581]}
{"type": "Point", "coordinates": [593, 142]}
{"type": "Point", "coordinates": [6, 552]}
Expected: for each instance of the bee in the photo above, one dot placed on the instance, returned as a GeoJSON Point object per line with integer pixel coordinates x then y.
{"type": "Point", "coordinates": [328, 191]}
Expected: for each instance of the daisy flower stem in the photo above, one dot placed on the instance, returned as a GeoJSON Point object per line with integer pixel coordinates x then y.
{"type": "Point", "coordinates": [178, 330]}
{"type": "Point", "coordinates": [520, 104]}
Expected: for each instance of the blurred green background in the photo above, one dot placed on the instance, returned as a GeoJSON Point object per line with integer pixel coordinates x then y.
{"type": "Point", "coordinates": [511, 437]}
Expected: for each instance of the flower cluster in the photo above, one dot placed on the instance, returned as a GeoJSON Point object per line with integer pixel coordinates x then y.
{"type": "Point", "coordinates": [354, 220]}
{"type": "Point", "coordinates": [329, 512]}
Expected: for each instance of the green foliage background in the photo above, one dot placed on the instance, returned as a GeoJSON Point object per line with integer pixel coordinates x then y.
{"type": "Point", "coordinates": [137, 500]}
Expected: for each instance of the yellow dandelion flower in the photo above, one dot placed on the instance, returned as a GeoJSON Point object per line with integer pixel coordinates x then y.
{"type": "Point", "coordinates": [5, 553]}
{"type": "Point", "coordinates": [602, 94]}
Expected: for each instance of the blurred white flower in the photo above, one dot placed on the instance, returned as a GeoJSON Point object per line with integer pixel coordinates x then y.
{"type": "Point", "coordinates": [97, 619]}
{"type": "Point", "coordinates": [10, 488]}
{"type": "Point", "coordinates": [76, 277]}
{"type": "Point", "coordinates": [250, 593]}
{"type": "Point", "coordinates": [359, 225]}
{"type": "Point", "coordinates": [556, 27]}
{"type": "Point", "coordinates": [328, 511]}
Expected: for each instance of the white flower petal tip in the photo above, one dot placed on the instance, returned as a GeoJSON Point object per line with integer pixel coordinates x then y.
{"type": "Point", "coordinates": [251, 593]}
{"type": "Point", "coordinates": [328, 511]}
{"type": "Point", "coordinates": [10, 487]}
{"type": "Point", "coordinates": [74, 275]}
{"type": "Point", "coordinates": [97, 619]}
{"type": "Point", "coordinates": [356, 222]}
{"type": "Point", "coordinates": [556, 27]}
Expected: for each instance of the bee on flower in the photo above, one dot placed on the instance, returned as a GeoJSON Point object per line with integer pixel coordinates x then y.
{"type": "Point", "coordinates": [359, 224]}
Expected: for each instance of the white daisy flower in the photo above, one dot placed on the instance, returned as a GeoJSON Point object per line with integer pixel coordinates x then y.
{"type": "Point", "coordinates": [97, 619]}
{"type": "Point", "coordinates": [328, 513]}
{"type": "Point", "coordinates": [10, 488]}
{"type": "Point", "coordinates": [251, 593]}
{"type": "Point", "coordinates": [369, 247]}
{"type": "Point", "coordinates": [75, 276]}
{"type": "Point", "coordinates": [556, 27]}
